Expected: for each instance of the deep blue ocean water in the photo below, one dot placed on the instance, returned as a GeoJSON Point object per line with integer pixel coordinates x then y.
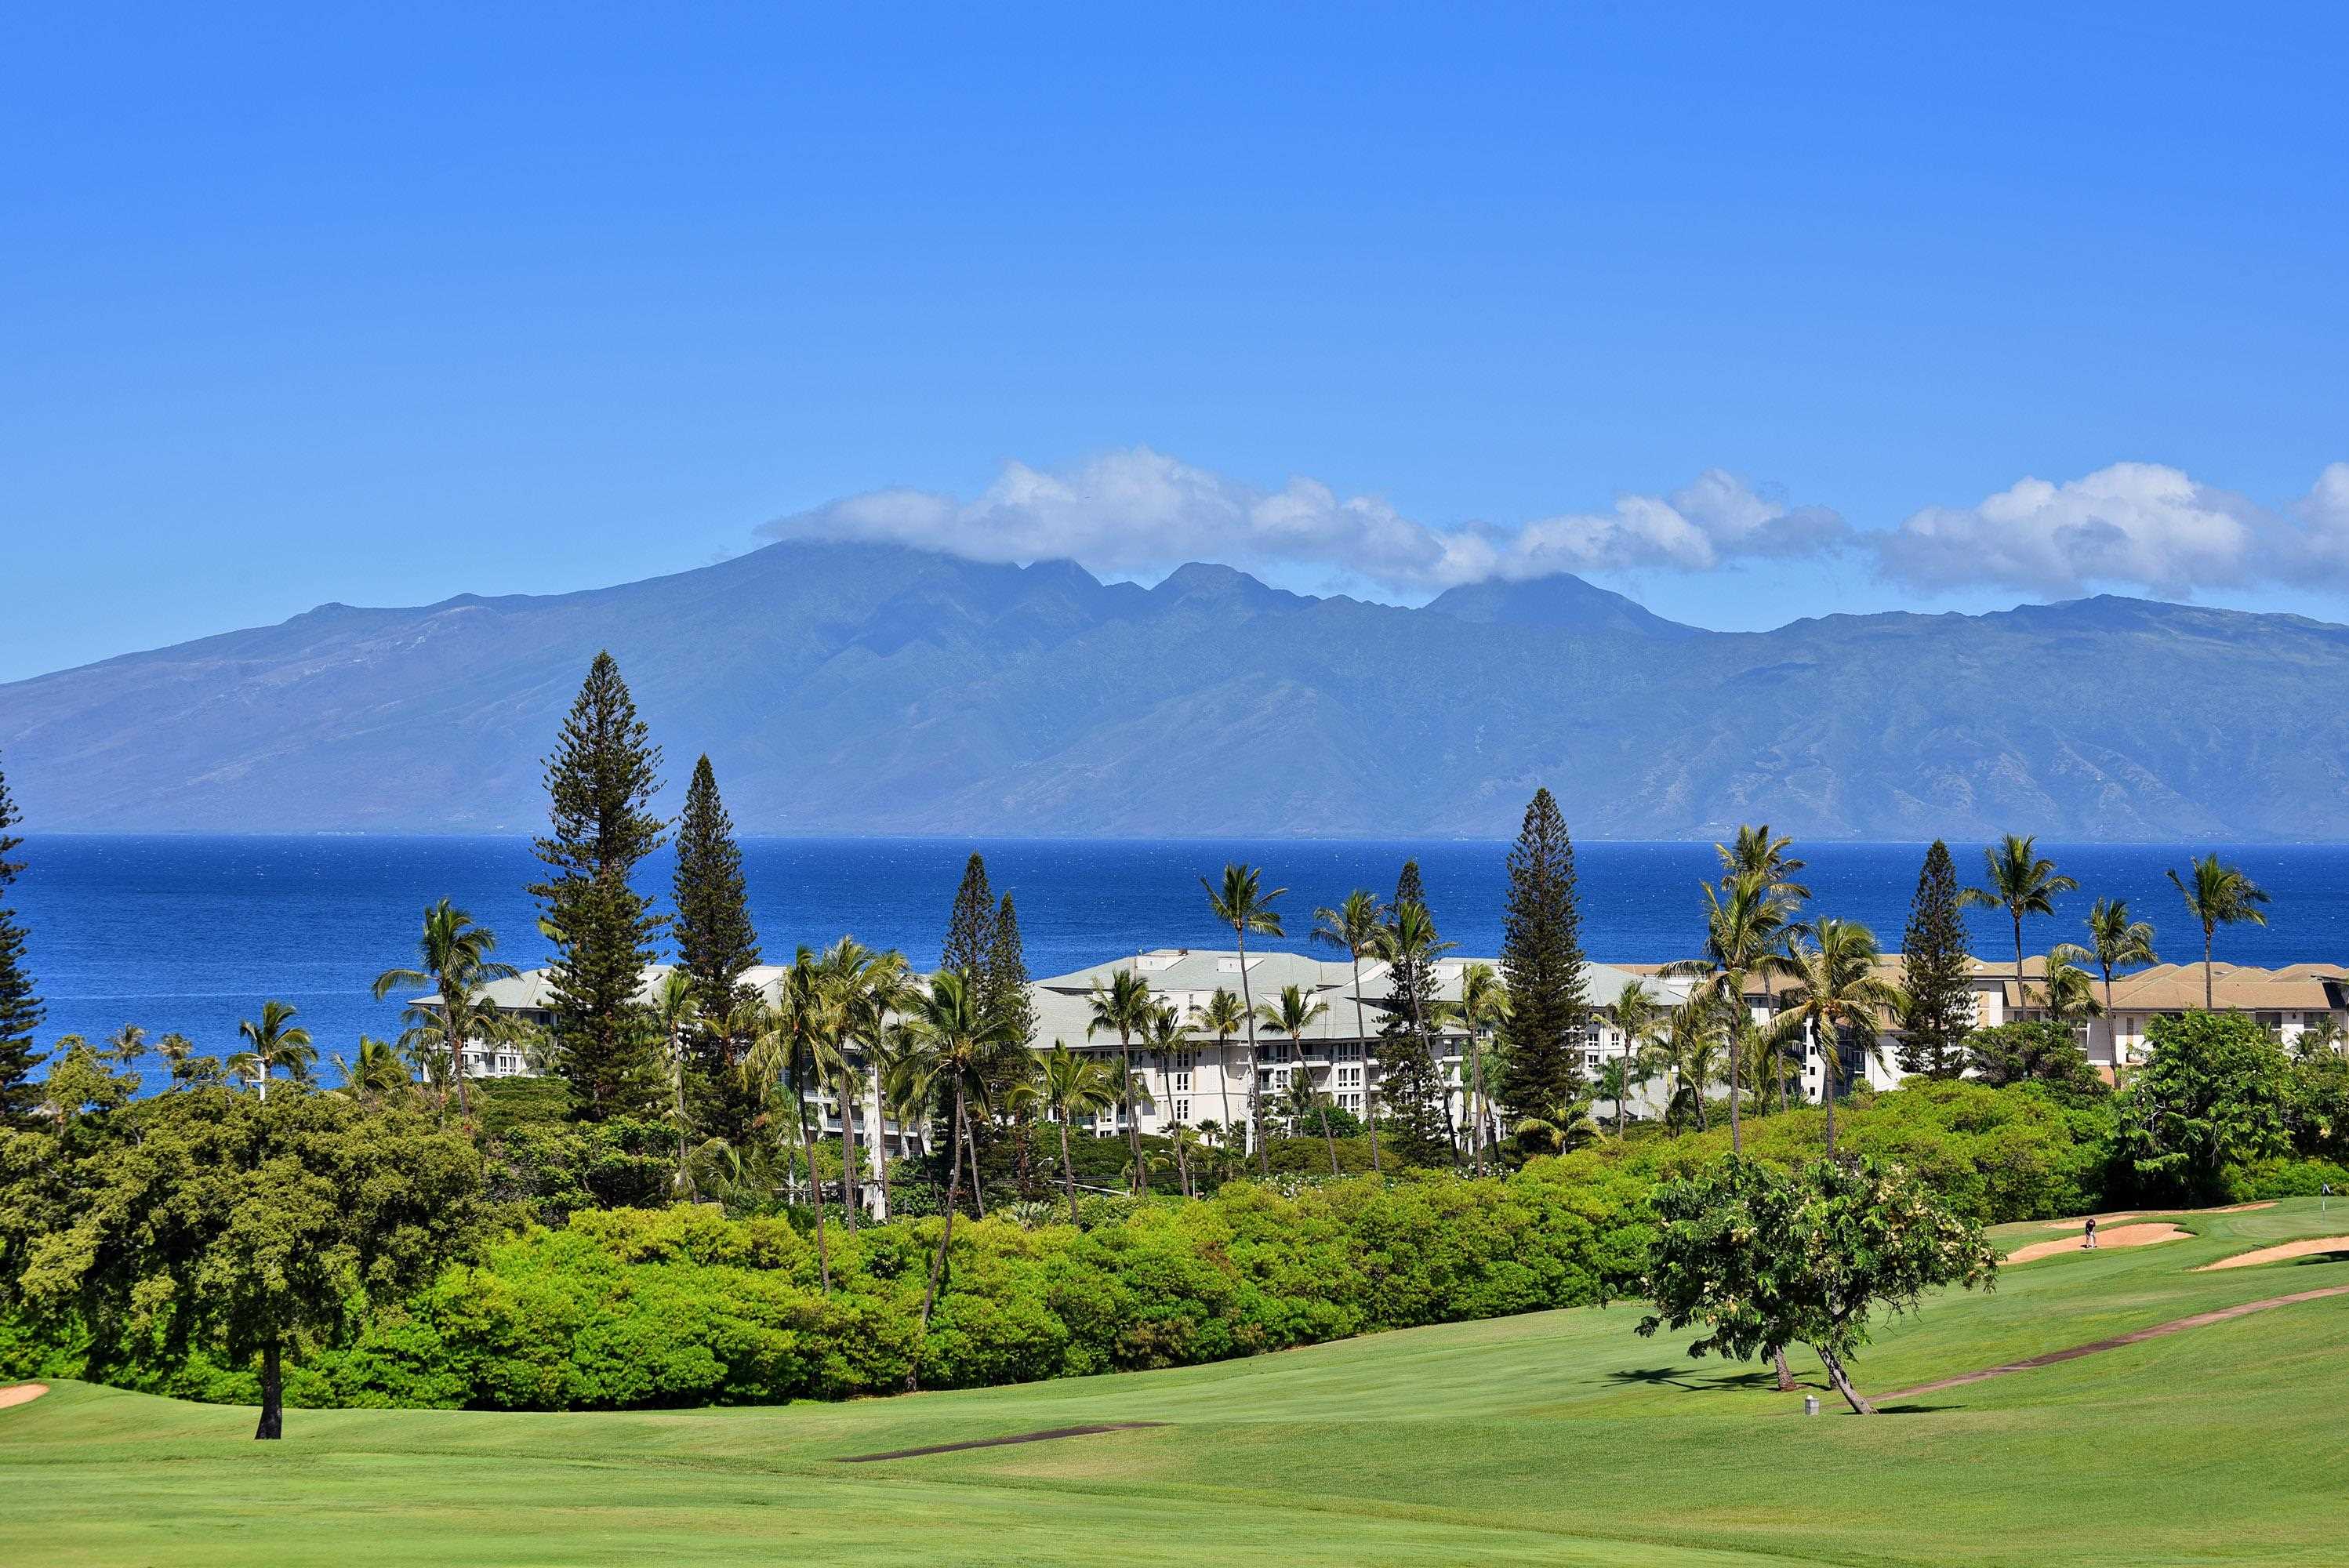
{"type": "Point", "coordinates": [193, 933]}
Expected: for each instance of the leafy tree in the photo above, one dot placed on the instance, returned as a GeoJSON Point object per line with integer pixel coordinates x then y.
{"type": "Point", "coordinates": [2117, 941]}
{"type": "Point", "coordinates": [1125, 1007]}
{"type": "Point", "coordinates": [204, 1219]}
{"type": "Point", "coordinates": [1241, 903]}
{"type": "Point", "coordinates": [20, 1009]}
{"type": "Point", "coordinates": [2210, 1096]}
{"type": "Point", "coordinates": [1936, 972]}
{"type": "Point", "coordinates": [2021, 882]}
{"type": "Point", "coordinates": [2033, 1050]}
{"type": "Point", "coordinates": [454, 959]}
{"type": "Point", "coordinates": [2219, 895]}
{"type": "Point", "coordinates": [600, 784]}
{"type": "Point", "coordinates": [1541, 960]}
{"type": "Point", "coordinates": [1352, 927]}
{"type": "Point", "coordinates": [272, 1043]}
{"type": "Point", "coordinates": [1836, 1000]}
{"type": "Point", "coordinates": [1758, 1260]}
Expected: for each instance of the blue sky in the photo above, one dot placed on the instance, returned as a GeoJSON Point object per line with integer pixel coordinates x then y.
{"type": "Point", "coordinates": [386, 308]}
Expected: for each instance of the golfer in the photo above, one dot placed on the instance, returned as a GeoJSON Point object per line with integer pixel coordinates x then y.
{"type": "Point", "coordinates": [2092, 1233]}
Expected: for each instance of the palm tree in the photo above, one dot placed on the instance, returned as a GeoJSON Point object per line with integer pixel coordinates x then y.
{"type": "Point", "coordinates": [880, 988]}
{"type": "Point", "coordinates": [904, 1073]}
{"type": "Point", "coordinates": [454, 959]}
{"type": "Point", "coordinates": [1125, 1006]}
{"type": "Point", "coordinates": [1484, 1007]}
{"type": "Point", "coordinates": [2220, 896]}
{"type": "Point", "coordinates": [804, 1011]}
{"type": "Point", "coordinates": [1292, 1015]}
{"type": "Point", "coordinates": [1186, 1143]}
{"type": "Point", "coordinates": [1836, 998]}
{"type": "Point", "coordinates": [1744, 935]}
{"type": "Point", "coordinates": [1638, 1017]}
{"type": "Point", "coordinates": [124, 1047]}
{"type": "Point", "coordinates": [1354, 926]}
{"type": "Point", "coordinates": [276, 1041]}
{"type": "Point", "coordinates": [2117, 941]}
{"type": "Point", "coordinates": [1758, 852]}
{"type": "Point", "coordinates": [177, 1050]}
{"type": "Point", "coordinates": [677, 1008]}
{"type": "Point", "coordinates": [962, 1038]}
{"type": "Point", "coordinates": [1075, 1085]}
{"type": "Point", "coordinates": [1239, 904]}
{"type": "Point", "coordinates": [2065, 989]}
{"type": "Point", "coordinates": [1220, 1017]}
{"type": "Point", "coordinates": [2021, 882]}
{"type": "Point", "coordinates": [1691, 1050]}
{"type": "Point", "coordinates": [1559, 1128]}
{"type": "Point", "coordinates": [378, 1070]}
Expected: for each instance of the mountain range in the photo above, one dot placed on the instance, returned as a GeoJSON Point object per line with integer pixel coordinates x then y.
{"type": "Point", "coordinates": [861, 689]}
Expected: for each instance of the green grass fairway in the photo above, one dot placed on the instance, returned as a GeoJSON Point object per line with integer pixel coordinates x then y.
{"type": "Point", "coordinates": [1555, 1439]}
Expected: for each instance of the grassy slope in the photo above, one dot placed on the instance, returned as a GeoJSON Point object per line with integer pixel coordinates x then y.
{"type": "Point", "coordinates": [1559, 1438]}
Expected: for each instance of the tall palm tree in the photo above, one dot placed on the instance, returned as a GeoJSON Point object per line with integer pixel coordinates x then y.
{"type": "Point", "coordinates": [177, 1050]}
{"type": "Point", "coordinates": [1836, 998]}
{"type": "Point", "coordinates": [1222, 1017]}
{"type": "Point", "coordinates": [904, 1073]}
{"type": "Point", "coordinates": [1483, 1007]}
{"type": "Point", "coordinates": [2021, 882]}
{"type": "Point", "coordinates": [881, 992]}
{"type": "Point", "coordinates": [1186, 1143]}
{"type": "Point", "coordinates": [124, 1047]}
{"type": "Point", "coordinates": [846, 974]}
{"type": "Point", "coordinates": [1354, 926]}
{"type": "Point", "coordinates": [1745, 931]}
{"type": "Point", "coordinates": [454, 959]}
{"type": "Point", "coordinates": [1241, 904]}
{"type": "Point", "coordinates": [1758, 852]}
{"type": "Point", "coordinates": [2117, 941]}
{"type": "Point", "coordinates": [677, 1008]}
{"type": "Point", "coordinates": [964, 1038]}
{"type": "Point", "coordinates": [1639, 1017]}
{"type": "Point", "coordinates": [2219, 895]}
{"type": "Point", "coordinates": [1293, 1015]}
{"type": "Point", "coordinates": [2064, 989]}
{"type": "Point", "coordinates": [275, 1042]}
{"type": "Point", "coordinates": [1074, 1085]}
{"type": "Point", "coordinates": [1125, 1006]}
{"type": "Point", "coordinates": [804, 1011]}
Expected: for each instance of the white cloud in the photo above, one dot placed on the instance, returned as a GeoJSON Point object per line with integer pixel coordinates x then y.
{"type": "Point", "coordinates": [2142, 525]}
{"type": "Point", "coordinates": [1139, 510]}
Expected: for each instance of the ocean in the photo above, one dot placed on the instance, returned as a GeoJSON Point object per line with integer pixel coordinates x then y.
{"type": "Point", "coordinates": [193, 933]}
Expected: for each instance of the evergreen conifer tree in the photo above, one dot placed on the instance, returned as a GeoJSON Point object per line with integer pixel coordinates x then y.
{"type": "Point", "coordinates": [1541, 960]}
{"type": "Point", "coordinates": [1007, 974]}
{"type": "Point", "coordinates": [1936, 973]}
{"type": "Point", "coordinates": [20, 1009]}
{"type": "Point", "coordinates": [970, 928]}
{"type": "Point", "coordinates": [1412, 1093]}
{"type": "Point", "coordinates": [600, 784]}
{"type": "Point", "coordinates": [715, 943]}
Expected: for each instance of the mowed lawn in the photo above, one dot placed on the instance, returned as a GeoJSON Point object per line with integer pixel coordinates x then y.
{"type": "Point", "coordinates": [1560, 1437]}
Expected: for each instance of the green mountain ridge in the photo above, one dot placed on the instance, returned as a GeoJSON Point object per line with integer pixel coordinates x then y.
{"type": "Point", "coordinates": [852, 688]}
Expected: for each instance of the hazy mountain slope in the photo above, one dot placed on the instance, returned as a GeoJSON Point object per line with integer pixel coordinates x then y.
{"type": "Point", "coordinates": [869, 689]}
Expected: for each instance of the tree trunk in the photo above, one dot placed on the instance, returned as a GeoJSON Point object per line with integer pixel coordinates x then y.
{"type": "Point", "coordinates": [1223, 1077]}
{"type": "Point", "coordinates": [1248, 1004]}
{"type": "Point", "coordinates": [1329, 1136]}
{"type": "Point", "coordinates": [2021, 996]}
{"type": "Point", "coordinates": [851, 1197]}
{"type": "Point", "coordinates": [938, 1259]}
{"type": "Point", "coordinates": [1787, 1384]}
{"type": "Point", "coordinates": [1859, 1407]}
{"type": "Point", "coordinates": [1476, 1095]}
{"type": "Point", "coordinates": [1133, 1115]}
{"type": "Point", "coordinates": [1737, 1050]}
{"type": "Point", "coordinates": [273, 1396]}
{"type": "Point", "coordinates": [977, 1182]}
{"type": "Point", "coordinates": [1362, 1034]}
{"type": "Point", "coordinates": [1778, 1068]}
{"type": "Point", "coordinates": [453, 1027]}
{"type": "Point", "coordinates": [2206, 967]}
{"type": "Point", "coordinates": [816, 1185]}
{"type": "Point", "coordinates": [1068, 1170]}
{"type": "Point", "coordinates": [1255, 1117]}
{"type": "Point", "coordinates": [1826, 1092]}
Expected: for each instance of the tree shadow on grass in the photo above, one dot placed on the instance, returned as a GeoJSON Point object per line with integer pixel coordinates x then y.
{"type": "Point", "coordinates": [1703, 1382]}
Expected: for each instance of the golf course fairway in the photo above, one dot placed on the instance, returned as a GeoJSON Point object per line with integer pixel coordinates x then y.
{"type": "Point", "coordinates": [1558, 1438]}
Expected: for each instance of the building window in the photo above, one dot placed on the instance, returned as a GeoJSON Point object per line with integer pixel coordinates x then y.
{"type": "Point", "coordinates": [1182, 1083]}
{"type": "Point", "coordinates": [1182, 1111]}
{"type": "Point", "coordinates": [2271, 1020]}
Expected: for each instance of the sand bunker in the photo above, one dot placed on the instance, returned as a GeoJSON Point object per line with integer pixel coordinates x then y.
{"type": "Point", "coordinates": [2081, 1224]}
{"type": "Point", "coordinates": [21, 1394]}
{"type": "Point", "coordinates": [2277, 1254]}
{"type": "Point", "coordinates": [2120, 1236]}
